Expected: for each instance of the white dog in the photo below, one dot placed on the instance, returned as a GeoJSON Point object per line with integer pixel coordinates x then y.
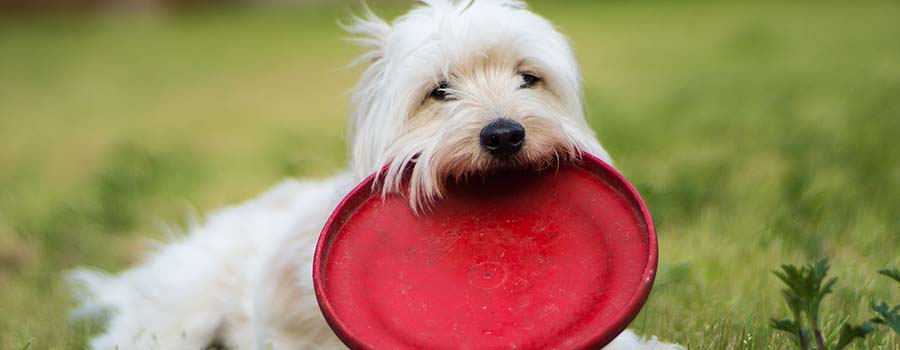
{"type": "Point", "coordinates": [452, 89]}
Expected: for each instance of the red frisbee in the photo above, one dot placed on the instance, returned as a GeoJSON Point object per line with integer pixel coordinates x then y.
{"type": "Point", "coordinates": [560, 259]}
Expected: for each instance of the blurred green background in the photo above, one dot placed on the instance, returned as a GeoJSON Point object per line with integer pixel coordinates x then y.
{"type": "Point", "coordinates": [759, 132]}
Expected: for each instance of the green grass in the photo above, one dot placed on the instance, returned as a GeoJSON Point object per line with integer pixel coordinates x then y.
{"type": "Point", "coordinates": [760, 134]}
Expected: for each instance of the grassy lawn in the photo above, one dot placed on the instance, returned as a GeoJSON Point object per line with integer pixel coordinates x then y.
{"type": "Point", "coordinates": [760, 133]}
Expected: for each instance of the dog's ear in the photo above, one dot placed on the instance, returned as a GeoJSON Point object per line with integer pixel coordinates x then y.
{"type": "Point", "coordinates": [370, 127]}
{"type": "Point", "coordinates": [370, 32]}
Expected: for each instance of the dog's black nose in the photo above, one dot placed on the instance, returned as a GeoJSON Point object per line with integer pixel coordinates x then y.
{"type": "Point", "coordinates": [503, 138]}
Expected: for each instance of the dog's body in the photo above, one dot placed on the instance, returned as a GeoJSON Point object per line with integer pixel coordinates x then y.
{"type": "Point", "coordinates": [453, 89]}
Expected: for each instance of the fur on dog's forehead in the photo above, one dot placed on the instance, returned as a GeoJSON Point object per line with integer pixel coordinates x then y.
{"type": "Point", "coordinates": [433, 40]}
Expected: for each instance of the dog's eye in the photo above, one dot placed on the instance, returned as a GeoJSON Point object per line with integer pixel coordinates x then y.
{"type": "Point", "coordinates": [530, 80]}
{"type": "Point", "coordinates": [440, 92]}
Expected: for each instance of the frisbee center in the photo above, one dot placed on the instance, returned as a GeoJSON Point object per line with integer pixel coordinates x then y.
{"type": "Point", "coordinates": [487, 275]}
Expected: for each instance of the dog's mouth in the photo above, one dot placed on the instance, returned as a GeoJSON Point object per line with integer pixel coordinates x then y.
{"type": "Point", "coordinates": [546, 160]}
{"type": "Point", "coordinates": [430, 174]}
{"type": "Point", "coordinates": [523, 161]}
{"type": "Point", "coordinates": [512, 162]}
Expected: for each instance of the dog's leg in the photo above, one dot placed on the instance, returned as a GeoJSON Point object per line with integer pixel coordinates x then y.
{"type": "Point", "coordinates": [285, 313]}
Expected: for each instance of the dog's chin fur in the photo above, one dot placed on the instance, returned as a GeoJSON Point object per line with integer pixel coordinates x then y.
{"type": "Point", "coordinates": [243, 279]}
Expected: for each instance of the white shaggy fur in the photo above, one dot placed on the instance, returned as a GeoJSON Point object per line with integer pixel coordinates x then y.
{"type": "Point", "coordinates": [243, 279]}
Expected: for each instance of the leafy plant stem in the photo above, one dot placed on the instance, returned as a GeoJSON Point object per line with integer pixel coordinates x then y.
{"type": "Point", "coordinates": [820, 341]}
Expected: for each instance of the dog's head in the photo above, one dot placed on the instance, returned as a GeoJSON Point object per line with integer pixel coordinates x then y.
{"type": "Point", "coordinates": [462, 88]}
